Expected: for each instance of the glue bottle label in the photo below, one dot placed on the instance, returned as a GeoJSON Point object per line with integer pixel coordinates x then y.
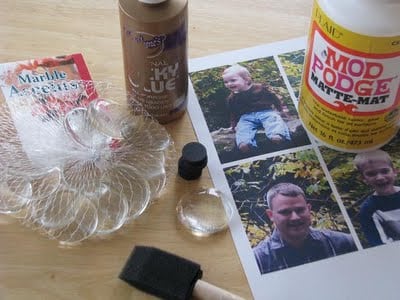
{"type": "Point", "coordinates": [154, 43]}
{"type": "Point", "coordinates": [350, 92]}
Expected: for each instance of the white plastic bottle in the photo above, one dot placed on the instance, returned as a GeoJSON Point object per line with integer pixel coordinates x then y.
{"type": "Point", "coordinates": [350, 96]}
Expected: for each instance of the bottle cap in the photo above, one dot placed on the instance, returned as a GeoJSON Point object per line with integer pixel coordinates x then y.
{"type": "Point", "coordinates": [192, 161]}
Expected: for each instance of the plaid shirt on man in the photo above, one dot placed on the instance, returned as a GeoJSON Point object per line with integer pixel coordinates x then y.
{"type": "Point", "coordinates": [274, 254]}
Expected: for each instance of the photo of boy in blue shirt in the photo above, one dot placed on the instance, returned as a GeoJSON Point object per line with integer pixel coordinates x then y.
{"type": "Point", "coordinates": [377, 170]}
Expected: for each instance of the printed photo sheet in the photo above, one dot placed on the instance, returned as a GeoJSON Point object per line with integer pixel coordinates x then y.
{"type": "Point", "coordinates": [277, 149]}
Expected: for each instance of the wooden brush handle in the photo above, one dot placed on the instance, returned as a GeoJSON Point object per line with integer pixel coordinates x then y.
{"type": "Point", "coordinates": [204, 290]}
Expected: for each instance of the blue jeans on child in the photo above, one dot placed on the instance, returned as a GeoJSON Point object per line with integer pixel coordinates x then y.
{"type": "Point", "coordinates": [249, 123]}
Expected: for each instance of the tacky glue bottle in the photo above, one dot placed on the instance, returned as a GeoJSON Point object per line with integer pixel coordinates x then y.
{"type": "Point", "coordinates": [350, 96]}
{"type": "Point", "coordinates": [154, 43]}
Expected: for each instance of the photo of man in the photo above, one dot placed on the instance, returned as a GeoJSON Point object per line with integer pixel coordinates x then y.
{"type": "Point", "coordinates": [293, 242]}
{"type": "Point", "coordinates": [289, 211]}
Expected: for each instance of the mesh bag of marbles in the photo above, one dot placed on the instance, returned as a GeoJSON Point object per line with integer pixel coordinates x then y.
{"type": "Point", "coordinates": [80, 163]}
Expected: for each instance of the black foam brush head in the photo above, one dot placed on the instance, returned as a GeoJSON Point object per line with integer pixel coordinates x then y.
{"type": "Point", "coordinates": [160, 273]}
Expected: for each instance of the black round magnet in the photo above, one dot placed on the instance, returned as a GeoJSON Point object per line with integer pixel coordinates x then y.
{"type": "Point", "coordinates": [193, 160]}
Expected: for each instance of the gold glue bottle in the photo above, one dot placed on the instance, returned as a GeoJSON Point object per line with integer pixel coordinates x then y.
{"type": "Point", "coordinates": [350, 96]}
{"type": "Point", "coordinates": [154, 44]}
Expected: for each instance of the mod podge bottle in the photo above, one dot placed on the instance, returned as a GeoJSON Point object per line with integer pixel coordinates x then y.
{"type": "Point", "coordinates": [154, 42]}
{"type": "Point", "coordinates": [350, 97]}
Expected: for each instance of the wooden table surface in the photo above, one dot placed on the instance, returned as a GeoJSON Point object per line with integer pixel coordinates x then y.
{"type": "Point", "coordinates": [34, 267]}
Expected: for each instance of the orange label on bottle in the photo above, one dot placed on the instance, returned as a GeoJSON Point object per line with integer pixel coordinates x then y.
{"type": "Point", "coordinates": [350, 90]}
